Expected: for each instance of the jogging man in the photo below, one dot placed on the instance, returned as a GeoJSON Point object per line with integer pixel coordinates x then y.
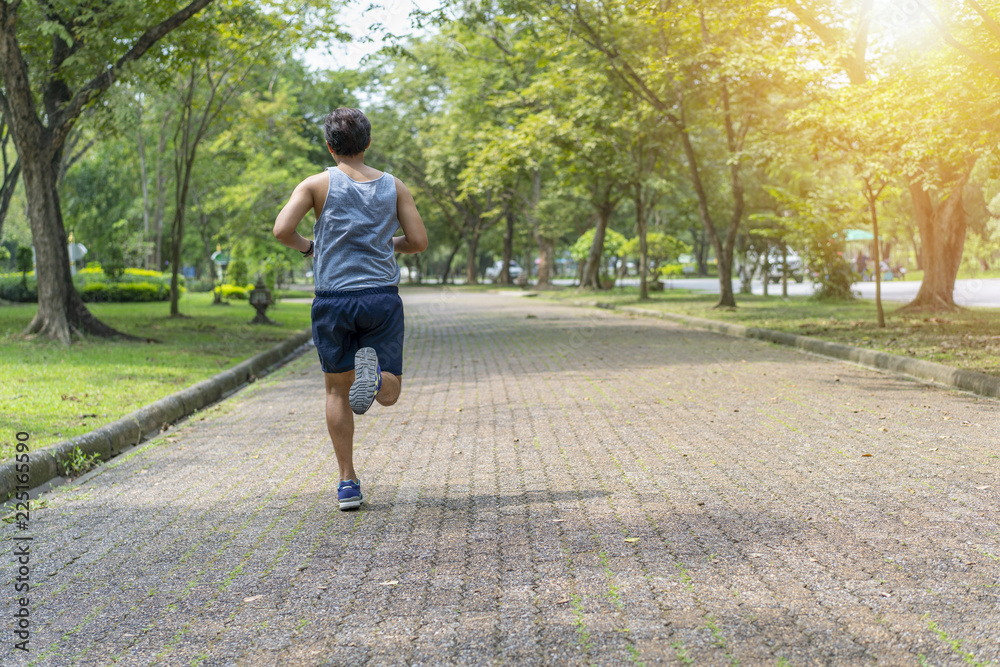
{"type": "Point", "coordinates": [357, 315]}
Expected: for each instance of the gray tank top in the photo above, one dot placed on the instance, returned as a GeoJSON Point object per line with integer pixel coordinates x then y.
{"type": "Point", "coordinates": [354, 234]}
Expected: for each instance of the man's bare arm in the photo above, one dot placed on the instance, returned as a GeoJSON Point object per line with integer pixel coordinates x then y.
{"type": "Point", "coordinates": [287, 222]}
{"type": "Point", "coordinates": [414, 238]}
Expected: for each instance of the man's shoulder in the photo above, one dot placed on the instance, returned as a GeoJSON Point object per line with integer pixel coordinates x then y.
{"type": "Point", "coordinates": [400, 186]}
{"type": "Point", "coordinates": [322, 178]}
{"type": "Point", "coordinates": [317, 184]}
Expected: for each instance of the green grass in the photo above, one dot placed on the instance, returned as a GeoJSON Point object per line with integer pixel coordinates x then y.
{"type": "Point", "coordinates": [968, 338]}
{"type": "Point", "coordinates": [55, 392]}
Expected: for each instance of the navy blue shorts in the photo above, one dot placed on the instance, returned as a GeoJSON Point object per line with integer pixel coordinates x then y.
{"type": "Point", "coordinates": [344, 322]}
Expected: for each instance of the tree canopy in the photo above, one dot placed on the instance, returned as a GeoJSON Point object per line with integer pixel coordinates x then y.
{"type": "Point", "coordinates": [161, 133]}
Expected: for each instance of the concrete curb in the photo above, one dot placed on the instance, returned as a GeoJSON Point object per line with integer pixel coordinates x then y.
{"type": "Point", "coordinates": [111, 439]}
{"type": "Point", "coordinates": [926, 371]}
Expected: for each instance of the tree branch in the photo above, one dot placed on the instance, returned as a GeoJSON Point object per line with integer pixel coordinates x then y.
{"type": "Point", "coordinates": [103, 81]}
{"type": "Point", "coordinates": [991, 24]}
{"type": "Point", "coordinates": [854, 64]}
{"type": "Point", "coordinates": [950, 40]}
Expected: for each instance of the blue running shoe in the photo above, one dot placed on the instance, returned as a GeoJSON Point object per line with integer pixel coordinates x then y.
{"type": "Point", "coordinates": [349, 494]}
{"type": "Point", "coordinates": [367, 380]}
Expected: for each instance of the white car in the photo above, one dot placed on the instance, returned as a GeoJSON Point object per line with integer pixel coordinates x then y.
{"type": "Point", "coordinates": [493, 273]}
{"type": "Point", "coordinates": [796, 267]}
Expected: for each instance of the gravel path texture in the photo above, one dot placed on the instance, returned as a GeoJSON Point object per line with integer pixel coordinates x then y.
{"type": "Point", "coordinates": [556, 486]}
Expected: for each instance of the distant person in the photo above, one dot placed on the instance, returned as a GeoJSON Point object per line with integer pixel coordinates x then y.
{"type": "Point", "coordinates": [357, 315]}
{"type": "Point", "coordinates": [862, 263]}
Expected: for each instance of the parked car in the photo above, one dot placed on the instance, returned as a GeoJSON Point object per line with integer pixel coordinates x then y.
{"type": "Point", "coordinates": [796, 267]}
{"type": "Point", "coordinates": [493, 273]}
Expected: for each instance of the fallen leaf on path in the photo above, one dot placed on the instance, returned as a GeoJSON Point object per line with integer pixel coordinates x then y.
{"type": "Point", "coordinates": [255, 597]}
{"type": "Point", "coordinates": [558, 520]}
{"type": "Point", "coordinates": [563, 601]}
{"type": "Point", "coordinates": [933, 449]}
{"type": "Point", "coordinates": [866, 455]}
{"type": "Point", "coordinates": [982, 488]}
{"type": "Point", "coordinates": [388, 583]}
{"type": "Point", "coordinates": [631, 539]}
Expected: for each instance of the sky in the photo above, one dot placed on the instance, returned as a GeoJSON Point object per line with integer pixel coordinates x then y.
{"type": "Point", "coordinates": [372, 19]}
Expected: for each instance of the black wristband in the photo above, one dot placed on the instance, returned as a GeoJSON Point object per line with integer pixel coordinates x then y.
{"type": "Point", "coordinates": [309, 252]}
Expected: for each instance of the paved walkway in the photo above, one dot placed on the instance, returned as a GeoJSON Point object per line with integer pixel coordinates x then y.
{"type": "Point", "coordinates": [557, 486]}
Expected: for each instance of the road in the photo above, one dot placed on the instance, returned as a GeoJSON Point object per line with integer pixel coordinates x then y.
{"type": "Point", "coordinates": [984, 293]}
{"type": "Point", "coordinates": [556, 486]}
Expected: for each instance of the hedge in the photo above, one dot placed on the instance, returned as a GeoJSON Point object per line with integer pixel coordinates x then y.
{"type": "Point", "coordinates": [93, 286]}
{"type": "Point", "coordinates": [235, 292]}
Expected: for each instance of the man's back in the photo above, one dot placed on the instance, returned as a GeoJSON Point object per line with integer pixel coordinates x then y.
{"type": "Point", "coordinates": [353, 232]}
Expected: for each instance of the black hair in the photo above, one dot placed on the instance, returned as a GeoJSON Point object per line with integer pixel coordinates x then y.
{"type": "Point", "coordinates": [347, 131]}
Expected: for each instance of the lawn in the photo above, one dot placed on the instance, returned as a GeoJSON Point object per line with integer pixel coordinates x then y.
{"type": "Point", "coordinates": [969, 338]}
{"type": "Point", "coordinates": [56, 392]}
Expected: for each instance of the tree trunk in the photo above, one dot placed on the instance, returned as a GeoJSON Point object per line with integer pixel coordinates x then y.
{"type": "Point", "coordinates": [700, 250]}
{"type": "Point", "coordinates": [546, 260]}
{"type": "Point", "coordinates": [508, 249]}
{"type": "Point", "coordinates": [176, 236]}
{"type": "Point", "coordinates": [7, 192]}
{"type": "Point", "coordinates": [784, 270]}
{"type": "Point", "coordinates": [942, 239]}
{"type": "Point", "coordinates": [177, 233]}
{"type": "Point", "coordinates": [446, 274]}
{"type": "Point", "coordinates": [765, 270]}
{"type": "Point", "coordinates": [472, 245]}
{"type": "Point", "coordinates": [161, 195]}
{"type": "Point", "coordinates": [145, 186]}
{"type": "Point", "coordinates": [592, 270]}
{"type": "Point", "coordinates": [61, 311]}
{"type": "Point", "coordinates": [640, 224]}
{"type": "Point", "coordinates": [723, 252]}
{"type": "Point", "coordinates": [726, 299]}
{"type": "Point", "coordinates": [877, 260]}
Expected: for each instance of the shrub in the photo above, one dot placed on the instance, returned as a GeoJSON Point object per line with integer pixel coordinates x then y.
{"type": "Point", "coordinates": [148, 273]}
{"type": "Point", "coordinates": [125, 292]}
{"type": "Point", "coordinates": [235, 292]}
{"type": "Point", "coordinates": [200, 285]}
{"type": "Point", "coordinates": [671, 271]}
{"type": "Point", "coordinates": [114, 264]}
{"type": "Point", "coordinates": [95, 273]}
{"type": "Point", "coordinates": [13, 288]}
{"type": "Point", "coordinates": [238, 273]}
{"type": "Point", "coordinates": [92, 284]}
{"type": "Point", "coordinates": [25, 261]}
{"type": "Point", "coordinates": [833, 274]}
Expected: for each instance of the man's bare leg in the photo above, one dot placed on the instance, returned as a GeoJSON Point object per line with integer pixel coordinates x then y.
{"type": "Point", "coordinates": [340, 421]}
{"type": "Point", "coordinates": [340, 418]}
{"type": "Point", "coordinates": [389, 393]}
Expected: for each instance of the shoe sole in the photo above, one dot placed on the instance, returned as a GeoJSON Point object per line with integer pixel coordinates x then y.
{"type": "Point", "coordinates": [363, 390]}
{"type": "Point", "coordinates": [351, 504]}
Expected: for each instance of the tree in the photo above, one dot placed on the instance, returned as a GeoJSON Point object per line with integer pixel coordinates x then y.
{"type": "Point", "coordinates": [11, 171]}
{"type": "Point", "coordinates": [25, 260]}
{"type": "Point", "coordinates": [614, 246]}
{"type": "Point", "coordinates": [660, 249]}
{"type": "Point", "coordinates": [925, 89]}
{"type": "Point", "coordinates": [668, 56]}
{"type": "Point", "coordinates": [55, 60]}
